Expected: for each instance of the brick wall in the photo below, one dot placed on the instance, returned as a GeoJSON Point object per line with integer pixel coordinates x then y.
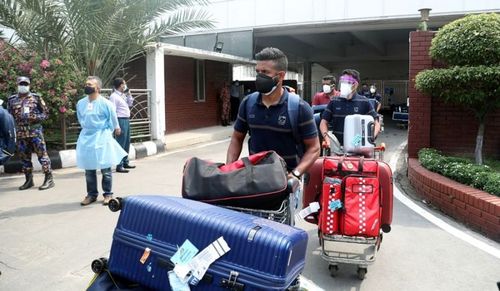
{"type": "Point", "coordinates": [433, 123]}
{"type": "Point", "coordinates": [420, 104]}
{"type": "Point", "coordinates": [473, 207]}
{"type": "Point", "coordinates": [182, 112]}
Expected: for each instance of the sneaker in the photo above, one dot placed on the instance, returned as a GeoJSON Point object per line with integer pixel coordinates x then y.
{"type": "Point", "coordinates": [129, 166]}
{"type": "Point", "coordinates": [88, 200]}
{"type": "Point", "coordinates": [106, 200]}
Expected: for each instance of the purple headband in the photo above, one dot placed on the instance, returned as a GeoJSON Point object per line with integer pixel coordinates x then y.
{"type": "Point", "coordinates": [348, 78]}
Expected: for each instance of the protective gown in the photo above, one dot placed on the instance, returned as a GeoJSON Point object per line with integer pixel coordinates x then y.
{"type": "Point", "coordinates": [96, 148]}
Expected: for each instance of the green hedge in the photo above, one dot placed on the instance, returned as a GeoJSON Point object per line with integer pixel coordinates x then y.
{"type": "Point", "coordinates": [461, 170]}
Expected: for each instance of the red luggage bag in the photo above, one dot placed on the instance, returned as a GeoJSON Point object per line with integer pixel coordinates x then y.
{"type": "Point", "coordinates": [361, 213]}
{"type": "Point", "coordinates": [313, 183]}
{"type": "Point", "coordinates": [329, 215]}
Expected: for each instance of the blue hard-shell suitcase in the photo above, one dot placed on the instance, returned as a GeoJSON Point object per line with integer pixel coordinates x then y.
{"type": "Point", "coordinates": [264, 255]}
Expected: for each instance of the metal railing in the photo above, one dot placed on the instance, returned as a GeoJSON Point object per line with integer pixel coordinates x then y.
{"type": "Point", "coordinates": [140, 119]}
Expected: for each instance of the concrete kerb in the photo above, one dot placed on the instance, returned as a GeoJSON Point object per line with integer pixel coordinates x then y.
{"type": "Point", "coordinates": [67, 158]}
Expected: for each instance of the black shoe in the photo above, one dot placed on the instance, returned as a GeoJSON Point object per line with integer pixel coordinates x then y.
{"type": "Point", "coordinates": [129, 166]}
{"type": "Point", "coordinates": [28, 183]}
{"type": "Point", "coordinates": [48, 182]}
{"type": "Point", "coordinates": [121, 170]}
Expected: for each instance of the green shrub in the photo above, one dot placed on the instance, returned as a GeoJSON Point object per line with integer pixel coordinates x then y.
{"type": "Point", "coordinates": [461, 170]}
{"type": "Point", "coordinates": [473, 40]}
{"type": "Point", "coordinates": [492, 184]}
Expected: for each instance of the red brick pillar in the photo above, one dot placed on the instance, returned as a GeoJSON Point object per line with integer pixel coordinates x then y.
{"type": "Point", "coordinates": [419, 129]}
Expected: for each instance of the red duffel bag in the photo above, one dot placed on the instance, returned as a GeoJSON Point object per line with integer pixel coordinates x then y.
{"type": "Point", "coordinates": [258, 181]}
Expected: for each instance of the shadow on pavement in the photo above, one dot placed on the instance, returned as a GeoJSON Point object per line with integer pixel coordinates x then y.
{"type": "Point", "coordinates": [42, 209]}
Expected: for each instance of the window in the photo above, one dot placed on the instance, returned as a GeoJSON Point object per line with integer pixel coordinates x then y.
{"type": "Point", "coordinates": [200, 81]}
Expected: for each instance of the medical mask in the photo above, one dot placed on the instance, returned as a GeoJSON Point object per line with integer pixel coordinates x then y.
{"type": "Point", "coordinates": [89, 90]}
{"type": "Point", "coordinates": [125, 88]}
{"type": "Point", "coordinates": [265, 84]}
{"type": "Point", "coordinates": [23, 89]}
{"type": "Point", "coordinates": [345, 89]}
{"type": "Point", "coordinates": [327, 89]}
{"type": "Point", "coordinates": [372, 90]}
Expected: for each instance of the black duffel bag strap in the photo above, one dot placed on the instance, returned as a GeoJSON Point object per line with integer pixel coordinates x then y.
{"type": "Point", "coordinates": [249, 166]}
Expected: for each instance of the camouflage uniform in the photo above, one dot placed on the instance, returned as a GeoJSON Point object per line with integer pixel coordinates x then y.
{"type": "Point", "coordinates": [29, 111]}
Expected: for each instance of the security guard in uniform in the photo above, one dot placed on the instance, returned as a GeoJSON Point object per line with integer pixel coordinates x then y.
{"type": "Point", "coordinates": [29, 110]}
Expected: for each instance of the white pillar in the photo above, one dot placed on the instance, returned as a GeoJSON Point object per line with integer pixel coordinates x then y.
{"type": "Point", "coordinates": [155, 72]}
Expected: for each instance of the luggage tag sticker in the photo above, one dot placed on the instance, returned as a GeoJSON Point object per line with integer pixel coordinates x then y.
{"type": "Point", "coordinates": [312, 208]}
{"type": "Point", "coordinates": [333, 181]}
{"type": "Point", "coordinates": [356, 141]}
{"type": "Point", "coordinates": [149, 237]}
{"type": "Point", "coordinates": [176, 284]}
{"type": "Point", "coordinates": [185, 253]}
{"type": "Point", "coordinates": [145, 255]}
{"type": "Point", "coordinates": [334, 205]}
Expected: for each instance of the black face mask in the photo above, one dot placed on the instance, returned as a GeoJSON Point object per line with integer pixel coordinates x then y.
{"type": "Point", "coordinates": [265, 84]}
{"type": "Point", "coordinates": [89, 90]}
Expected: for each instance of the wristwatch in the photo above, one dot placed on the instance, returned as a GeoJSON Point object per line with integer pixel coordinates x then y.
{"type": "Point", "coordinates": [296, 174]}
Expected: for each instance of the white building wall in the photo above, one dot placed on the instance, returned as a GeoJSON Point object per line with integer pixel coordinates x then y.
{"type": "Point", "coordinates": [232, 14]}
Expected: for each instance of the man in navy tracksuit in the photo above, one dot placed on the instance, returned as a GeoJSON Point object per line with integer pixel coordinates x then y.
{"type": "Point", "coordinates": [268, 120]}
{"type": "Point", "coordinates": [349, 102]}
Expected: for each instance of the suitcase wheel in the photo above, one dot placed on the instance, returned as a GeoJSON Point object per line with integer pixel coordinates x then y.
{"type": "Point", "coordinates": [361, 273]}
{"type": "Point", "coordinates": [99, 265]}
{"type": "Point", "coordinates": [334, 270]}
{"type": "Point", "coordinates": [386, 228]}
{"type": "Point", "coordinates": [115, 204]}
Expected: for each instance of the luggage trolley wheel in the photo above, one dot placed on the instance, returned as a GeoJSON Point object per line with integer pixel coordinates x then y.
{"type": "Point", "coordinates": [98, 265]}
{"type": "Point", "coordinates": [115, 204]}
{"type": "Point", "coordinates": [362, 272]}
{"type": "Point", "coordinates": [334, 270]}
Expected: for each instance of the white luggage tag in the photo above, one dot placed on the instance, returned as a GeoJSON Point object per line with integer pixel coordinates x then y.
{"type": "Point", "coordinates": [194, 270]}
{"type": "Point", "coordinates": [312, 208]}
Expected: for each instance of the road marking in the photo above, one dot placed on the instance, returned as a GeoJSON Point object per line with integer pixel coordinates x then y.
{"type": "Point", "coordinates": [490, 249]}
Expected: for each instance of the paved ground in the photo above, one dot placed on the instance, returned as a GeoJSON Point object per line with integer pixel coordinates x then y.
{"type": "Point", "coordinates": [47, 241]}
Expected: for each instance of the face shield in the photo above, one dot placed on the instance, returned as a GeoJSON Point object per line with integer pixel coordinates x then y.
{"type": "Point", "coordinates": [347, 83]}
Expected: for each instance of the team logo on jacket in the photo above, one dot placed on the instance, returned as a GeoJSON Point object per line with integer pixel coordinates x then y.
{"type": "Point", "coordinates": [356, 109]}
{"type": "Point", "coordinates": [281, 120]}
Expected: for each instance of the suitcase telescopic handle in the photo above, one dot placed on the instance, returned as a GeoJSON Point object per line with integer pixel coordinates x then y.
{"type": "Point", "coordinates": [371, 132]}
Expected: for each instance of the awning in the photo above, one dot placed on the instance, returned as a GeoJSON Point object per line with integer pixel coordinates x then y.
{"type": "Point", "coordinates": [182, 51]}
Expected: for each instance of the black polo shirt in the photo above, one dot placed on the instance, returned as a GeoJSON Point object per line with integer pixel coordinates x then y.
{"type": "Point", "coordinates": [270, 128]}
{"type": "Point", "coordinates": [339, 108]}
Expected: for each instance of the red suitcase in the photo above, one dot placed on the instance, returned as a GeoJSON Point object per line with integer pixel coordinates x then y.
{"type": "Point", "coordinates": [312, 188]}
{"type": "Point", "coordinates": [386, 187]}
{"type": "Point", "coordinates": [313, 185]}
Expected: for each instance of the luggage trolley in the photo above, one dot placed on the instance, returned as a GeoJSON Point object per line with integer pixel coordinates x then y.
{"type": "Point", "coordinates": [285, 213]}
{"type": "Point", "coordinates": [353, 250]}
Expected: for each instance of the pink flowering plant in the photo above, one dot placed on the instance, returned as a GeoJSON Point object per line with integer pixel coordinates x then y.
{"type": "Point", "coordinates": [56, 80]}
